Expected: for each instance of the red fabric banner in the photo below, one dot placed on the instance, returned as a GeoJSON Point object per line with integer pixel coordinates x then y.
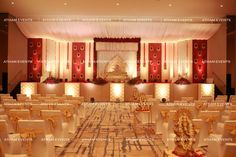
{"type": "Point", "coordinates": [154, 69]}
{"type": "Point", "coordinates": [35, 56]}
{"type": "Point", "coordinates": [199, 58]}
{"type": "Point", "coordinates": [78, 62]}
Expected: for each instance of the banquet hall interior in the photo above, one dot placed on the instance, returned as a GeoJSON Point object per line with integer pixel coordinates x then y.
{"type": "Point", "coordinates": [117, 78]}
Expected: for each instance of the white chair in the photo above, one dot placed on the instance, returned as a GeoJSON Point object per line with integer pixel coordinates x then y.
{"type": "Point", "coordinates": [8, 106]}
{"type": "Point", "coordinates": [229, 150]}
{"type": "Point", "coordinates": [207, 98]}
{"type": "Point", "coordinates": [232, 98]}
{"type": "Point", "coordinates": [211, 117]}
{"type": "Point", "coordinates": [34, 131]}
{"type": "Point", "coordinates": [222, 97]}
{"type": "Point", "coordinates": [17, 114]}
{"type": "Point", "coordinates": [217, 142]}
{"type": "Point", "coordinates": [188, 99]}
{"type": "Point", "coordinates": [202, 132]}
{"type": "Point", "coordinates": [35, 110]}
{"type": "Point", "coordinates": [56, 126]}
{"type": "Point", "coordinates": [10, 142]}
{"type": "Point", "coordinates": [68, 115]}
{"type": "Point", "coordinates": [35, 96]}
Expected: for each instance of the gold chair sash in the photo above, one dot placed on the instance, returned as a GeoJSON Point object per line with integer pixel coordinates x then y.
{"type": "Point", "coordinates": [28, 136]}
{"type": "Point", "coordinates": [165, 115]}
{"type": "Point", "coordinates": [231, 129]}
{"type": "Point", "coordinates": [67, 114]}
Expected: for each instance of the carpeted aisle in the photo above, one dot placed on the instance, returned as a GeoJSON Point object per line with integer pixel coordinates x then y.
{"type": "Point", "coordinates": [110, 130]}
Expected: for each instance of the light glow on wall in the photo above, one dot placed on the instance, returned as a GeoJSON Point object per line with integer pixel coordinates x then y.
{"type": "Point", "coordinates": [117, 91]}
{"type": "Point", "coordinates": [72, 89]}
{"type": "Point", "coordinates": [28, 88]}
{"type": "Point", "coordinates": [162, 91]}
{"type": "Point", "coordinates": [206, 90]}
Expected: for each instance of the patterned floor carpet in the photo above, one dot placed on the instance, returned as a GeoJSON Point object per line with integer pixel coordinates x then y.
{"type": "Point", "coordinates": [110, 130]}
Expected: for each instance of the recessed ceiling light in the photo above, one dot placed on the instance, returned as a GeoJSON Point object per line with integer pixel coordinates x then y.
{"type": "Point", "coordinates": [170, 5]}
{"type": "Point", "coordinates": [117, 4]}
{"type": "Point", "coordinates": [12, 3]}
{"type": "Point", "coordinates": [65, 3]}
{"type": "Point", "coordinates": [221, 5]}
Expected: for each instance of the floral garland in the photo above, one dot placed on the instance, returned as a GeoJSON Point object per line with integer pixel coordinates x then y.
{"type": "Point", "coordinates": [185, 133]}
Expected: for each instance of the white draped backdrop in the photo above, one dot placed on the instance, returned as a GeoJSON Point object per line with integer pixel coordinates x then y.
{"type": "Point", "coordinates": [178, 58]}
{"type": "Point", "coordinates": [106, 51]}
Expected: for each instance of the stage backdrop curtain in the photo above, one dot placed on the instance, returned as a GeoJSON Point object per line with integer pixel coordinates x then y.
{"type": "Point", "coordinates": [147, 31]}
{"type": "Point", "coordinates": [57, 59]}
{"type": "Point", "coordinates": [106, 51]}
{"type": "Point", "coordinates": [178, 58]}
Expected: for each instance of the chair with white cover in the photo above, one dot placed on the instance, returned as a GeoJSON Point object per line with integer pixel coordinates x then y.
{"type": "Point", "coordinates": [222, 97]}
{"type": "Point", "coordinates": [56, 126]}
{"type": "Point", "coordinates": [211, 117]}
{"type": "Point", "coordinates": [202, 132]}
{"type": "Point", "coordinates": [229, 150]}
{"type": "Point", "coordinates": [35, 110]}
{"type": "Point", "coordinates": [200, 105]}
{"type": "Point", "coordinates": [188, 99]}
{"type": "Point", "coordinates": [169, 129]}
{"type": "Point", "coordinates": [16, 155]}
{"type": "Point", "coordinates": [9, 106]}
{"type": "Point", "coordinates": [162, 116]}
{"type": "Point", "coordinates": [17, 114]}
{"type": "Point", "coordinates": [217, 142]}
{"type": "Point", "coordinates": [231, 116]}
{"type": "Point", "coordinates": [207, 98]}
{"type": "Point", "coordinates": [36, 142]}
{"type": "Point", "coordinates": [10, 142]}
{"type": "Point", "coordinates": [216, 106]}
{"type": "Point", "coordinates": [232, 98]}
{"type": "Point", "coordinates": [35, 96]}
{"type": "Point", "coordinates": [2, 111]}
{"type": "Point", "coordinates": [21, 97]}
{"type": "Point", "coordinates": [69, 116]}
{"type": "Point", "coordinates": [51, 95]}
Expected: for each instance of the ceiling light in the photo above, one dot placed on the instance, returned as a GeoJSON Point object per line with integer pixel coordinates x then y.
{"type": "Point", "coordinates": [65, 3]}
{"type": "Point", "coordinates": [221, 5]}
{"type": "Point", "coordinates": [117, 4]}
{"type": "Point", "coordinates": [170, 5]}
{"type": "Point", "coordinates": [12, 3]}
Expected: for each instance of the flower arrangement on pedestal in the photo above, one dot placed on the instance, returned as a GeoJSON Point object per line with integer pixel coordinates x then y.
{"type": "Point", "coordinates": [185, 134]}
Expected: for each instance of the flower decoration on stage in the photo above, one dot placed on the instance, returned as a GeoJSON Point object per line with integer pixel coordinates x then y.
{"type": "Point", "coordinates": [51, 79]}
{"type": "Point", "coordinates": [99, 81]}
{"type": "Point", "coordinates": [185, 133]}
{"type": "Point", "coordinates": [182, 80]}
{"type": "Point", "coordinates": [134, 81]}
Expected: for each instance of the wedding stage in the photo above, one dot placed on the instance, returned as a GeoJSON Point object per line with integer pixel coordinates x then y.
{"type": "Point", "coordinates": [122, 91]}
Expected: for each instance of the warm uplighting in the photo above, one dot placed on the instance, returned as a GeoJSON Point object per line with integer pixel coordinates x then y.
{"type": "Point", "coordinates": [206, 90]}
{"type": "Point", "coordinates": [50, 86]}
{"type": "Point", "coordinates": [162, 91]}
{"type": "Point", "coordinates": [72, 89]}
{"type": "Point", "coordinates": [28, 88]}
{"type": "Point", "coordinates": [117, 91]}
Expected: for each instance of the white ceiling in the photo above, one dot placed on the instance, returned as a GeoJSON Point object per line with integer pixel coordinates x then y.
{"type": "Point", "coordinates": [160, 8]}
{"type": "Point", "coordinates": [115, 10]}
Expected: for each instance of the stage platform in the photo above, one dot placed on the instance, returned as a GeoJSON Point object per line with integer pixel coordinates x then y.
{"type": "Point", "coordinates": [121, 91]}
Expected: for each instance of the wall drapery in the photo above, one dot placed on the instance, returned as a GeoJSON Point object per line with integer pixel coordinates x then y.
{"type": "Point", "coordinates": [155, 62]}
{"type": "Point", "coordinates": [199, 58]}
{"type": "Point", "coordinates": [78, 61]}
{"type": "Point", "coordinates": [114, 44]}
{"type": "Point", "coordinates": [35, 58]}
{"type": "Point", "coordinates": [155, 51]}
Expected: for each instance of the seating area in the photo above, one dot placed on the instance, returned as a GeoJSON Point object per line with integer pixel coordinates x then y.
{"type": "Point", "coordinates": [117, 78]}
{"type": "Point", "coordinates": [48, 125]}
